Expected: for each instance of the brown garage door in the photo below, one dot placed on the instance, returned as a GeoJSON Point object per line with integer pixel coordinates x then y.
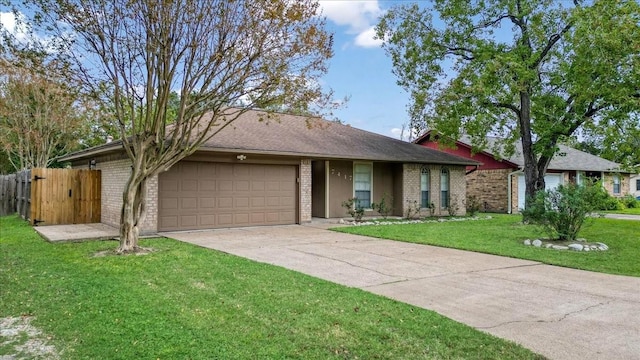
{"type": "Point", "coordinates": [199, 195]}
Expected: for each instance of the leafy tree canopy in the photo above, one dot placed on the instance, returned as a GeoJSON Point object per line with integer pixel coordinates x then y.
{"type": "Point", "coordinates": [533, 71]}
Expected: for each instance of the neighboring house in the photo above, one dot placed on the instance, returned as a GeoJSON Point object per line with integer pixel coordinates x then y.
{"type": "Point", "coordinates": [635, 186]}
{"type": "Point", "coordinates": [499, 186]}
{"type": "Point", "coordinates": [283, 171]}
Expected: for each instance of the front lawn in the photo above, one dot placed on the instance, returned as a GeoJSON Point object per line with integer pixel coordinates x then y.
{"type": "Point", "coordinates": [186, 302]}
{"type": "Point", "coordinates": [504, 235]}
{"type": "Point", "coordinates": [628, 211]}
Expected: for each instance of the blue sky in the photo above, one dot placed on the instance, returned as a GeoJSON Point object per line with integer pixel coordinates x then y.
{"type": "Point", "coordinates": [361, 70]}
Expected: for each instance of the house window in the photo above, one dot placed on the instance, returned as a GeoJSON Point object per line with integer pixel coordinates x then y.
{"type": "Point", "coordinates": [362, 184]}
{"type": "Point", "coordinates": [616, 184]}
{"type": "Point", "coordinates": [444, 188]}
{"type": "Point", "coordinates": [638, 185]}
{"type": "Point", "coordinates": [424, 187]}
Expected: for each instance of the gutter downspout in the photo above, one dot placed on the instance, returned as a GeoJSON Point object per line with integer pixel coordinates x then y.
{"type": "Point", "coordinates": [473, 170]}
{"type": "Point", "coordinates": [509, 194]}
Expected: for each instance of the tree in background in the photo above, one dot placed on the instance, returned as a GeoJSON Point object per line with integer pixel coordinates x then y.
{"type": "Point", "coordinates": [41, 110]}
{"type": "Point", "coordinates": [615, 142]}
{"type": "Point", "coordinates": [214, 54]}
{"type": "Point", "coordinates": [533, 71]}
{"type": "Point", "coordinates": [40, 115]}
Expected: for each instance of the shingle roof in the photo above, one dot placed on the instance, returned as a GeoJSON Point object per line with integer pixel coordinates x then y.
{"type": "Point", "coordinates": [567, 158]}
{"type": "Point", "coordinates": [294, 135]}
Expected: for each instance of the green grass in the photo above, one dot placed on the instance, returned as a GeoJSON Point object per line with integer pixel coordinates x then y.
{"type": "Point", "coordinates": [504, 235]}
{"type": "Point", "coordinates": [631, 211]}
{"type": "Point", "coordinates": [186, 302]}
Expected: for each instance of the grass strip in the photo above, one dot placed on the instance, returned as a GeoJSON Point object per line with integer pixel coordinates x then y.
{"type": "Point", "coordinates": [186, 302]}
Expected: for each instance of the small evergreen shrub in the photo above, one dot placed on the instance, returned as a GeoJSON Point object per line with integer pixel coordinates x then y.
{"type": "Point", "coordinates": [353, 209]}
{"type": "Point", "coordinates": [453, 207]}
{"type": "Point", "coordinates": [384, 207]}
{"type": "Point", "coordinates": [473, 206]}
{"type": "Point", "coordinates": [563, 211]}
{"type": "Point", "coordinates": [630, 202]}
{"type": "Point", "coordinates": [413, 210]}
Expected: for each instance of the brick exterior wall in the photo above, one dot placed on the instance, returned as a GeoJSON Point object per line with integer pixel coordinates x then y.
{"type": "Point", "coordinates": [411, 188]}
{"type": "Point", "coordinates": [514, 194]}
{"type": "Point", "coordinates": [489, 189]}
{"type": "Point", "coordinates": [305, 190]}
{"type": "Point", "coordinates": [114, 178]}
{"type": "Point", "coordinates": [625, 184]}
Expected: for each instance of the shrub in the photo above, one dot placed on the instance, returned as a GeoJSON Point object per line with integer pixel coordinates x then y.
{"type": "Point", "coordinates": [563, 211]}
{"type": "Point", "coordinates": [473, 205]}
{"type": "Point", "coordinates": [384, 207]}
{"type": "Point", "coordinates": [630, 202]}
{"type": "Point", "coordinates": [611, 203]}
{"type": "Point", "coordinates": [453, 207]}
{"type": "Point", "coordinates": [413, 210]}
{"type": "Point", "coordinates": [353, 208]}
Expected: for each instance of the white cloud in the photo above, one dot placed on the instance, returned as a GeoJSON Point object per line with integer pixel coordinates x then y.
{"type": "Point", "coordinates": [358, 16]}
{"type": "Point", "coordinates": [14, 26]}
{"type": "Point", "coordinates": [367, 38]}
{"type": "Point", "coordinates": [399, 133]}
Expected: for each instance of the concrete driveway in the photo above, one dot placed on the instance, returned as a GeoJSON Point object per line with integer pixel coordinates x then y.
{"type": "Point", "coordinates": [557, 312]}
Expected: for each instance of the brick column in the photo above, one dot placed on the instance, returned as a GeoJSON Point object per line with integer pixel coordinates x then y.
{"type": "Point", "coordinates": [410, 185]}
{"type": "Point", "coordinates": [305, 190]}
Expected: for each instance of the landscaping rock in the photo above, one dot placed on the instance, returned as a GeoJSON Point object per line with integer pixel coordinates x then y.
{"type": "Point", "coordinates": [537, 243]}
{"type": "Point", "coordinates": [586, 248]}
{"type": "Point", "coordinates": [602, 246]}
{"type": "Point", "coordinates": [560, 247]}
{"type": "Point", "coordinates": [548, 245]}
{"type": "Point", "coordinates": [527, 242]}
{"type": "Point", "coordinates": [575, 247]}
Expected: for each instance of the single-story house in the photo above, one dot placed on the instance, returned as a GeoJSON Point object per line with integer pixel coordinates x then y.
{"type": "Point", "coordinates": [499, 186]}
{"type": "Point", "coordinates": [283, 171]}
{"type": "Point", "coordinates": [635, 186]}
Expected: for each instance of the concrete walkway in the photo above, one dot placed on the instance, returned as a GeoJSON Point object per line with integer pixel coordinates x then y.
{"type": "Point", "coordinates": [557, 312]}
{"type": "Point", "coordinates": [77, 232]}
{"type": "Point", "coordinates": [623, 216]}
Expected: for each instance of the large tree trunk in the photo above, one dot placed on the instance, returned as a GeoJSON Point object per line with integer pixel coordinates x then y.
{"type": "Point", "coordinates": [133, 211]}
{"type": "Point", "coordinates": [533, 174]}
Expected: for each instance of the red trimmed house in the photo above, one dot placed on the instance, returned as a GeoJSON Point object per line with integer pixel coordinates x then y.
{"type": "Point", "coordinates": [499, 184]}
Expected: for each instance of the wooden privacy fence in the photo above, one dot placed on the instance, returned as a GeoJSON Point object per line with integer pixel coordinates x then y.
{"type": "Point", "coordinates": [7, 194]}
{"type": "Point", "coordinates": [57, 196]}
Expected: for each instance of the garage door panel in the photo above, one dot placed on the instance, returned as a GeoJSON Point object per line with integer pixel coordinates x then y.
{"type": "Point", "coordinates": [225, 219]}
{"type": "Point", "coordinates": [189, 185]}
{"type": "Point", "coordinates": [208, 203]}
{"type": "Point", "coordinates": [257, 185]}
{"type": "Point", "coordinates": [169, 204]}
{"type": "Point", "coordinates": [257, 202]}
{"type": "Point", "coordinates": [241, 218]}
{"type": "Point", "coordinates": [225, 185]}
{"type": "Point", "coordinates": [188, 220]}
{"type": "Point", "coordinates": [209, 195]}
{"type": "Point", "coordinates": [257, 218]}
{"type": "Point", "coordinates": [188, 203]}
{"type": "Point", "coordinates": [241, 185]}
{"type": "Point", "coordinates": [208, 220]}
{"type": "Point", "coordinates": [207, 185]}
{"type": "Point", "coordinates": [241, 202]}
{"type": "Point", "coordinates": [273, 186]}
{"type": "Point", "coordinates": [225, 202]}
{"type": "Point", "coordinates": [170, 185]}
{"type": "Point", "coordinates": [287, 201]}
{"type": "Point", "coordinates": [169, 221]}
